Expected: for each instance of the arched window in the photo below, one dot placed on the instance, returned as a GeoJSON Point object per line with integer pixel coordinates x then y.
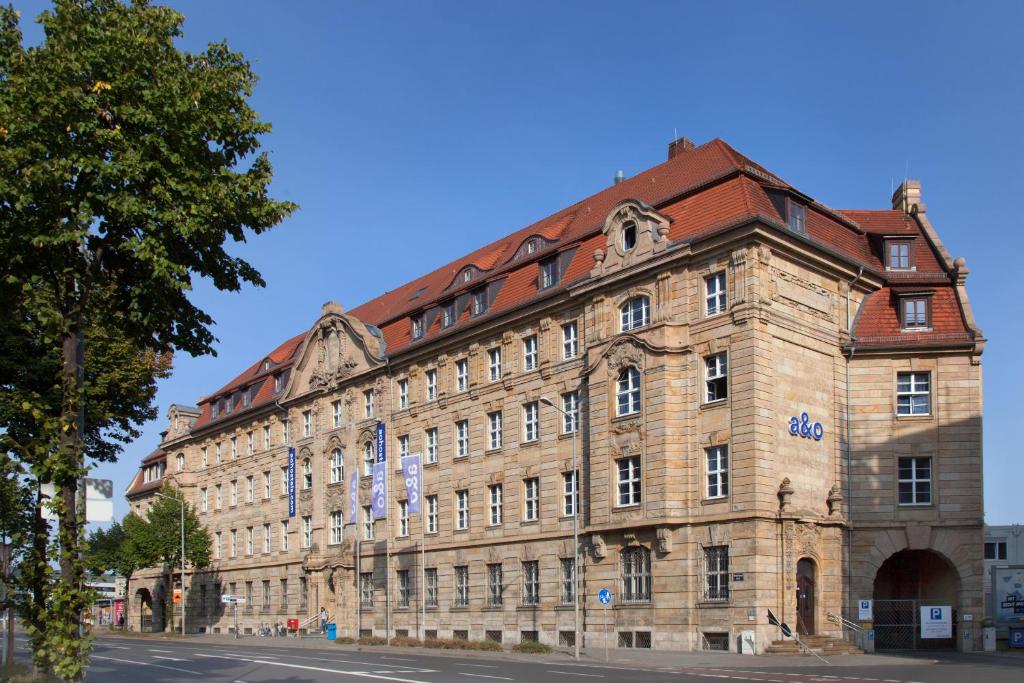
{"type": "Point", "coordinates": [180, 462]}
{"type": "Point", "coordinates": [636, 575]}
{"type": "Point", "coordinates": [367, 459]}
{"type": "Point", "coordinates": [636, 313]}
{"type": "Point", "coordinates": [307, 474]}
{"type": "Point", "coordinates": [628, 392]}
{"type": "Point", "coordinates": [337, 466]}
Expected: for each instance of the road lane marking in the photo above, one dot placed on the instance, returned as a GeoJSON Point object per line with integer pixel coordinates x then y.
{"type": "Point", "coordinates": [500, 678]}
{"type": "Point", "coordinates": [173, 659]}
{"type": "Point", "coordinates": [166, 652]}
{"type": "Point", "coordinates": [159, 666]}
{"type": "Point", "coordinates": [364, 674]}
{"type": "Point", "coordinates": [574, 673]}
{"type": "Point", "coordinates": [399, 659]}
{"type": "Point", "coordinates": [482, 666]}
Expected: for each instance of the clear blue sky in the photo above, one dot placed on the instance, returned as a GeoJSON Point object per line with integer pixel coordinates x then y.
{"type": "Point", "coordinates": [413, 132]}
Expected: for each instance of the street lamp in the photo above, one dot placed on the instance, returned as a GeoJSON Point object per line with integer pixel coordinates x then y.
{"type": "Point", "coordinates": [575, 527]}
{"type": "Point", "coordinates": [180, 502]}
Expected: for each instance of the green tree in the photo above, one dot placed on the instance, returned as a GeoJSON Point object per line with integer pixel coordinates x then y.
{"type": "Point", "coordinates": [121, 549]}
{"type": "Point", "coordinates": [162, 540]}
{"type": "Point", "coordinates": [126, 166]}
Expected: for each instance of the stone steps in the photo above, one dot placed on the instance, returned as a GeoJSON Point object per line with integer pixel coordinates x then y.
{"type": "Point", "coordinates": [822, 645]}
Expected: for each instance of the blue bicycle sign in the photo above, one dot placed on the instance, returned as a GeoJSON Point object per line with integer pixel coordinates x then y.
{"type": "Point", "coordinates": [604, 596]}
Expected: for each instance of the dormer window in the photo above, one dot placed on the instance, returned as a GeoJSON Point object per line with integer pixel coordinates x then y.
{"type": "Point", "coordinates": [467, 275]}
{"type": "Point", "coordinates": [278, 381]}
{"type": "Point", "coordinates": [247, 398]}
{"type": "Point", "coordinates": [898, 255]}
{"type": "Point", "coordinates": [915, 312]}
{"type": "Point", "coordinates": [448, 314]}
{"type": "Point", "coordinates": [227, 405]}
{"type": "Point", "coordinates": [548, 273]}
{"type": "Point", "coordinates": [266, 365]}
{"type": "Point", "coordinates": [480, 301]}
{"type": "Point", "coordinates": [417, 327]}
{"type": "Point", "coordinates": [797, 219]}
{"type": "Point", "coordinates": [213, 410]}
{"type": "Point", "coordinates": [531, 246]}
{"type": "Point", "coordinates": [629, 236]}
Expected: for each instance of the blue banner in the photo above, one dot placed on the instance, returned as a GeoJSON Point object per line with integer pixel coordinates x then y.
{"type": "Point", "coordinates": [382, 453]}
{"type": "Point", "coordinates": [353, 498]}
{"type": "Point", "coordinates": [411, 473]}
{"type": "Point", "coordinates": [379, 493]}
{"type": "Point", "coordinates": [291, 482]}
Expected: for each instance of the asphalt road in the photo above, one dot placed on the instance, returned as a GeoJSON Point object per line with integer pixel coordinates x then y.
{"type": "Point", "coordinates": [255, 661]}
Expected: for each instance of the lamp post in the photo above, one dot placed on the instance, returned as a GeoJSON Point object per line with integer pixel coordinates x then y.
{"type": "Point", "coordinates": [181, 502]}
{"type": "Point", "coordinates": [575, 527]}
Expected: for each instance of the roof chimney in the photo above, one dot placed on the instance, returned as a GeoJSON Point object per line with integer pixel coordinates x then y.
{"type": "Point", "coordinates": [619, 177]}
{"type": "Point", "coordinates": [908, 196]}
{"type": "Point", "coordinates": [678, 146]}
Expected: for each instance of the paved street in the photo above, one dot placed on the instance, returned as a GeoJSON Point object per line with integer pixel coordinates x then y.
{"type": "Point", "coordinates": [252, 660]}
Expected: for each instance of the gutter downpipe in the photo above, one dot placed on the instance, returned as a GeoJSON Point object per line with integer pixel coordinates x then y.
{"type": "Point", "coordinates": [849, 453]}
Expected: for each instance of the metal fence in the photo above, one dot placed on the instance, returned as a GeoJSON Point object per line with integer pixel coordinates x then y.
{"type": "Point", "coordinates": [898, 627]}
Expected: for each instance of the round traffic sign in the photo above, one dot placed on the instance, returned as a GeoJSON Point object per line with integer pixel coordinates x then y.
{"type": "Point", "coordinates": [604, 596]}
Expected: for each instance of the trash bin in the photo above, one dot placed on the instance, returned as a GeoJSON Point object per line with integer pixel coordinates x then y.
{"type": "Point", "coordinates": [332, 631]}
{"type": "Point", "coordinates": [988, 639]}
{"type": "Point", "coordinates": [1016, 636]}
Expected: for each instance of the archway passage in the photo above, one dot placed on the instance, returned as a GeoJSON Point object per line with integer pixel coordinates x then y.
{"type": "Point", "coordinates": [806, 589]}
{"type": "Point", "coordinates": [145, 601]}
{"type": "Point", "coordinates": [905, 583]}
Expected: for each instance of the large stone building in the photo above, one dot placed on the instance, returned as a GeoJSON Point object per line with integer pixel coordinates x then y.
{"type": "Point", "coordinates": [775, 405]}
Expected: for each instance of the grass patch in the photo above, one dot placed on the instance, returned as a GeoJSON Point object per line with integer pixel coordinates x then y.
{"type": "Point", "coordinates": [533, 648]}
{"type": "Point", "coordinates": [373, 640]}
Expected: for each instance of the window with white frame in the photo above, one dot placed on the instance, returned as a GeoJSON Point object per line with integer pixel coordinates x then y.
{"type": "Point", "coordinates": [716, 377]}
{"type": "Point", "coordinates": [915, 481]}
{"type": "Point", "coordinates": [368, 403]}
{"type": "Point", "coordinates": [716, 573]}
{"type": "Point", "coordinates": [480, 301]}
{"type": "Point", "coordinates": [531, 499]}
{"type": "Point", "coordinates": [570, 340]}
{"type": "Point", "coordinates": [234, 447]}
{"type": "Point", "coordinates": [266, 537]}
{"type": "Point", "coordinates": [366, 589]}
{"type": "Point", "coordinates": [403, 393]}
{"type": "Point", "coordinates": [462, 509]}
{"type": "Point", "coordinates": [403, 518]}
{"type": "Point", "coordinates": [461, 374]}
{"type": "Point", "coordinates": [448, 314]}
{"type": "Point", "coordinates": [494, 421]}
{"type": "Point", "coordinates": [531, 582]}
{"type": "Point", "coordinates": [402, 577]}
{"type": "Point", "coordinates": [179, 461]}
{"type": "Point", "coordinates": [234, 492]}
{"type": "Point", "coordinates": [462, 586]}
{"type": "Point", "coordinates": [367, 459]}
{"type": "Point", "coordinates": [206, 457]}
{"type": "Point", "coordinates": [217, 453]}
{"type": "Point", "coordinates": [570, 412]}
{"type": "Point", "coordinates": [403, 445]}
{"type": "Point", "coordinates": [337, 466]}
{"type": "Point", "coordinates": [284, 534]}
{"type": "Point", "coordinates": [205, 500]}
{"type": "Point", "coordinates": [248, 489]}
{"type": "Point", "coordinates": [570, 494]}
{"type": "Point", "coordinates": [234, 543]}
{"type": "Point", "coordinates": [417, 326]}
{"type": "Point", "coordinates": [714, 294]}
{"type": "Point", "coordinates": [568, 566]}
{"type": "Point", "coordinates": [636, 313]}
{"type": "Point", "coordinates": [367, 523]}
{"type": "Point", "coordinates": [717, 458]}
{"type": "Point", "coordinates": [461, 438]}
{"type": "Point", "coordinates": [494, 491]}
{"type": "Point", "coordinates": [494, 585]}
{"type": "Point", "coordinates": [249, 541]}
{"type": "Point", "coordinates": [217, 497]}
{"type": "Point", "coordinates": [430, 436]}
{"type": "Point", "coordinates": [218, 546]}
{"type": "Point", "coordinates": [336, 527]}
{"type": "Point", "coordinates": [913, 393]}
{"type": "Point", "coordinates": [629, 480]}
{"type": "Point", "coordinates": [636, 575]}
{"type": "Point", "coordinates": [284, 594]}
{"type": "Point", "coordinates": [629, 236]}
{"type": "Point", "coordinates": [286, 432]}
{"type": "Point", "coordinates": [548, 273]}
{"type": "Point", "coordinates": [494, 363]}
{"type": "Point", "coordinates": [995, 550]}
{"type": "Point", "coordinates": [266, 484]}
{"type": "Point", "coordinates": [250, 443]}
{"type": "Point", "coordinates": [307, 531]}
{"type": "Point", "coordinates": [307, 423]}
{"type": "Point", "coordinates": [431, 514]}
{"type": "Point", "coordinates": [531, 421]}
{"type": "Point", "coordinates": [284, 480]}
{"type": "Point", "coordinates": [627, 392]}
{"type": "Point", "coordinates": [335, 414]}
{"type": "Point", "coordinates": [431, 385]}
{"type": "Point", "coordinates": [430, 585]}
{"type": "Point", "coordinates": [307, 474]}
{"type": "Point", "coordinates": [266, 436]}
{"type": "Point", "coordinates": [278, 382]}
{"type": "Point", "coordinates": [530, 352]}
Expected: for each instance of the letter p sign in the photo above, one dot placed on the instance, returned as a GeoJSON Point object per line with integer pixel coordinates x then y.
{"type": "Point", "coordinates": [936, 614]}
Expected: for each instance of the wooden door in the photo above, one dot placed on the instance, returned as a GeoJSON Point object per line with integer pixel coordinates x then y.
{"type": "Point", "coordinates": [805, 591]}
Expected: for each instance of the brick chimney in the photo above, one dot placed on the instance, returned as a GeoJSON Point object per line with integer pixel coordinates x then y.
{"type": "Point", "coordinates": [907, 196]}
{"type": "Point", "coordinates": [678, 146]}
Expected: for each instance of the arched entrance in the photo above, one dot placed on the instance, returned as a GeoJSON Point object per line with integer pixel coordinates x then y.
{"type": "Point", "coordinates": [806, 590]}
{"type": "Point", "coordinates": [905, 583]}
{"type": "Point", "coordinates": [145, 604]}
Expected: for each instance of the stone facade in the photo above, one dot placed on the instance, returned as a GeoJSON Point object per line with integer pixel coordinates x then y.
{"type": "Point", "coordinates": [692, 559]}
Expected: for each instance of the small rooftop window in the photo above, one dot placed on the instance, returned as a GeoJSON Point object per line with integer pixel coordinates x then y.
{"type": "Point", "coordinates": [417, 327]}
{"type": "Point", "coordinates": [417, 294]}
{"type": "Point", "coordinates": [797, 218]}
{"type": "Point", "coordinates": [629, 236]}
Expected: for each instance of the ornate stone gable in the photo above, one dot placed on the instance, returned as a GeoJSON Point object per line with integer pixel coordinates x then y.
{"type": "Point", "coordinates": [337, 347]}
{"type": "Point", "coordinates": [648, 232]}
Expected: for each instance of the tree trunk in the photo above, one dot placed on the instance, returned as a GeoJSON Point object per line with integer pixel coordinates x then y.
{"type": "Point", "coordinates": [37, 584]}
{"type": "Point", "coordinates": [72, 419]}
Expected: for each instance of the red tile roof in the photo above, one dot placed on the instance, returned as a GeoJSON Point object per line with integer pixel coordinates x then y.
{"type": "Point", "coordinates": [878, 322]}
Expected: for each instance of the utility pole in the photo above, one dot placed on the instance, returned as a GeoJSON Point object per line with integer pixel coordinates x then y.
{"type": "Point", "coordinates": [181, 502]}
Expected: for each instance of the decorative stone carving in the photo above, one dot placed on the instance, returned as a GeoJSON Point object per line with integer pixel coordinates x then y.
{"type": "Point", "coordinates": [835, 500]}
{"type": "Point", "coordinates": [334, 361]}
{"type": "Point", "coordinates": [785, 493]}
{"type": "Point", "coordinates": [650, 233]}
{"type": "Point", "coordinates": [598, 547]}
{"type": "Point", "coordinates": [809, 537]}
{"type": "Point", "coordinates": [623, 355]}
{"type": "Point", "coordinates": [664, 540]}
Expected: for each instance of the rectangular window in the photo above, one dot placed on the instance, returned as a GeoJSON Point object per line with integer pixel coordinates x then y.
{"type": "Point", "coordinates": [234, 492]}
{"type": "Point", "coordinates": [915, 481]}
{"type": "Point", "coordinates": [284, 594]}
{"type": "Point", "coordinates": [278, 382]}
{"type": "Point", "coordinates": [336, 527]}
{"type": "Point", "coordinates": [431, 385]}
{"type": "Point", "coordinates": [629, 480]}
{"type": "Point", "coordinates": [570, 412]}
{"type": "Point", "coordinates": [530, 352]}
{"type": "Point", "coordinates": [284, 534]}
{"type": "Point", "coordinates": [402, 576]}
{"type": "Point", "coordinates": [716, 573]}
{"type": "Point", "coordinates": [286, 432]}
{"type": "Point", "coordinates": [403, 393]}
{"type": "Point", "coordinates": [461, 374]}
{"type": "Point", "coordinates": [570, 340]}
{"type": "Point", "coordinates": [548, 273]}
{"type": "Point", "coordinates": [217, 454]}
{"type": "Point", "coordinates": [494, 585]}
{"type": "Point", "coordinates": [462, 509]}
{"type": "Point", "coordinates": [494, 420]}
{"type": "Point", "coordinates": [248, 592]}
{"type": "Point", "coordinates": [448, 315]}
{"type": "Point", "coordinates": [234, 542]}
{"type": "Point", "coordinates": [461, 438]}
{"type": "Point", "coordinates": [368, 403]}
{"type": "Point", "coordinates": [797, 218]}
{"type": "Point", "coordinates": [431, 514]}
{"type": "Point", "coordinates": [417, 327]}
{"type": "Point", "coordinates": [368, 459]}
{"type": "Point", "coordinates": [430, 585]}
{"type": "Point", "coordinates": [531, 582]}
{"type": "Point", "coordinates": [234, 447]}
{"type": "Point", "coordinates": [303, 592]}
{"type": "Point", "coordinates": [266, 436]}
{"type": "Point", "coordinates": [403, 445]}
{"type": "Point", "coordinates": [431, 438]}
{"type": "Point", "coordinates": [570, 494]}
{"type": "Point", "coordinates": [266, 483]}
{"type": "Point", "coordinates": [337, 466]}
{"type": "Point", "coordinates": [307, 531]}
{"type": "Point", "coordinates": [568, 580]}
{"type": "Point", "coordinates": [636, 575]}
{"type": "Point", "coordinates": [531, 422]}
{"type": "Point", "coordinates": [335, 414]}
{"type": "Point", "coordinates": [218, 547]}
{"type": "Point", "coordinates": [205, 505]}
{"type": "Point", "coordinates": [250, 443]}
{"type": "Point", "coordinates": [206, 457]}
{"type": "Point", "coordinates": [403, 518]}
{"type": "Point", "coordinates": [495, 507]}
{"type": "Point", "coordinates": [307, 474]}
{"type": "Point", "coordinates": [915, 312]}
{"type": "Point", "coordinates": [995, 550]}
{"type": "Point", "coordinates": [249, 549]}
{"type": "Point", "coordinates": [898, 255]}
{"type": "Point", "coordinates": [248, 489]}
{"type": "Point", "coordinates": [714, 294]}
{"type": "Point", "coordinates": [494, 364]}
{"type": "Point", "coordinates": [531, 499]}
{"type": "Point", "coordinates": [716, 377]}
{"type": "Point", "coordinates": [480, 302]}
{"type": "Point", "coordinates": [284, 481]}
{"type": "Point", "coordinates": [367, 523]}
{"type": "Point", "coordinates": [718, 471]}
{"type": "Point", "coordinates": [913, 393]}
{"type": "Point", "coordinates": [266, 537]}
{"type": "Point", "coordinates": [366, 589]}
{"type": "Point", "coordinates": [462, 586]}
